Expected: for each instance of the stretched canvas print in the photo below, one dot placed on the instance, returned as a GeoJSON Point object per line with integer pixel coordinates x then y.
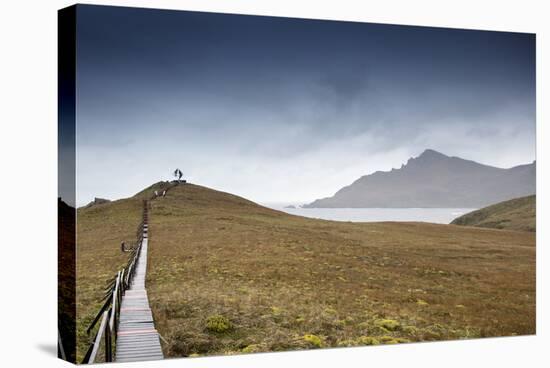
{"type": "Point", "coordinates": [234, 184]}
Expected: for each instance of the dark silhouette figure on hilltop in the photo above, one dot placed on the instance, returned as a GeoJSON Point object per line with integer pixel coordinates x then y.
{"type": "Point", "coordinates": [178, 174]}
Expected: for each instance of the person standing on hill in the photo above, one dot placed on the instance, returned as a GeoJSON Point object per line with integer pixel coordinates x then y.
{"type": "Point", "coordinates": [178, 174]}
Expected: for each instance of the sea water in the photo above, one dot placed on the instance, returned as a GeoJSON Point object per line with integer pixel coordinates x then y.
{"type": "Point", "coordinates": [435, 215]}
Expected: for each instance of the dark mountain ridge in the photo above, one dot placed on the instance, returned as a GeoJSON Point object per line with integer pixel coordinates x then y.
{"type": "Point", "coordinates": [435, 180]}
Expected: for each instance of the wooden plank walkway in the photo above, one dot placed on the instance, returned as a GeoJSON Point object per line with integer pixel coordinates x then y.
{"type": "Point", "coordinates": [137, 337]}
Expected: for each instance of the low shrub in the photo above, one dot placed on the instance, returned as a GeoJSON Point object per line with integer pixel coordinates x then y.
{"type": "Point", "coordinates": [314, 340]}
{"type": "Point", "coordinates": [388, 324]}
{"type": "Point", "coordinates": [218, 324]}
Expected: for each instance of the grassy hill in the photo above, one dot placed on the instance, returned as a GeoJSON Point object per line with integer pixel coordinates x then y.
{"type": "Point", "coordinates": [515, 214]}
{"type": "Point", "coordinates": [228, 276]}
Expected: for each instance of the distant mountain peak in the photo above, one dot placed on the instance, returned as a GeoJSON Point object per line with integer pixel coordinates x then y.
{"type": "Point", "coordinates": [428, 157]}
{"type": "Point", "coordinates": [434, 179]}
{"type": "Point", "coordinates": [429, 153]}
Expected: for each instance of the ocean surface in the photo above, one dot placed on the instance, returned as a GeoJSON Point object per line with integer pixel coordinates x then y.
{"type": "Point", "coordinates": [436, 215]}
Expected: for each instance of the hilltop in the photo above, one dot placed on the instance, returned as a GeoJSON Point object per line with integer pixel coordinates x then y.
{"type": "Point", "coordinates": [227, 275]}
{"type": "Point", "coordinates": [97, 201]}
{"type": "Point", "coordinates": [515, 214]}
{"type": "Point", "coordinates": [435, 180]}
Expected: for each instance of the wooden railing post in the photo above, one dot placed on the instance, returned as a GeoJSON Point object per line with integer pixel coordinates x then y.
{"type": "Point", "coordinates": [108, 345]}
{"type": "Point", "coordinates": [114, 318]}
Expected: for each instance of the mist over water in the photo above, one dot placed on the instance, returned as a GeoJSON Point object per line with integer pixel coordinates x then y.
{"type": "Point", "coordinates": [434, 215]}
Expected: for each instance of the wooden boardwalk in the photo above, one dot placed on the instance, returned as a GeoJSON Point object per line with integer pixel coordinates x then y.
{"type": "Point", "coordinates": [137, 338]}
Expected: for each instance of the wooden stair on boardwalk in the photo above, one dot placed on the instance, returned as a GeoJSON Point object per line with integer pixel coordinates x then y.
{"type": "Point", "coordinates": [137, 338]}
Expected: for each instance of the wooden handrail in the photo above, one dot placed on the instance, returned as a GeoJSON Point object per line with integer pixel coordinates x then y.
{"type": "Point", "coordinates": [97, 340]}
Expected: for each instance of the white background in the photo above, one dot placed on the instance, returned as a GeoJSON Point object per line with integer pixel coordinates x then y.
{"type": "Point", "coordinates": [28, 139]}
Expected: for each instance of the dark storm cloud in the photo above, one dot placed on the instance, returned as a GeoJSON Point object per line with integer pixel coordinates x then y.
{"type": "Point", "coordinates": [247, 92]}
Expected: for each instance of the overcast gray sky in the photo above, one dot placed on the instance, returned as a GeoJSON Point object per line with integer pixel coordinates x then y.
{"type": "Point", "coordinates": [278, 109]}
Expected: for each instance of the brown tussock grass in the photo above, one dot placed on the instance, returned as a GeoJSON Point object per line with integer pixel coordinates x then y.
{"type": "Point", "coordinates": [286, 282]}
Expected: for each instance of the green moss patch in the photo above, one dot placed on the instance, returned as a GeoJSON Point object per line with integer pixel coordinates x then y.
{"type": "Point", "coordinates": [388, 324]}
{"type": "Point", "coordinates": [314, 341]}
{"type": "Point", "coordinates": [218, 324]}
